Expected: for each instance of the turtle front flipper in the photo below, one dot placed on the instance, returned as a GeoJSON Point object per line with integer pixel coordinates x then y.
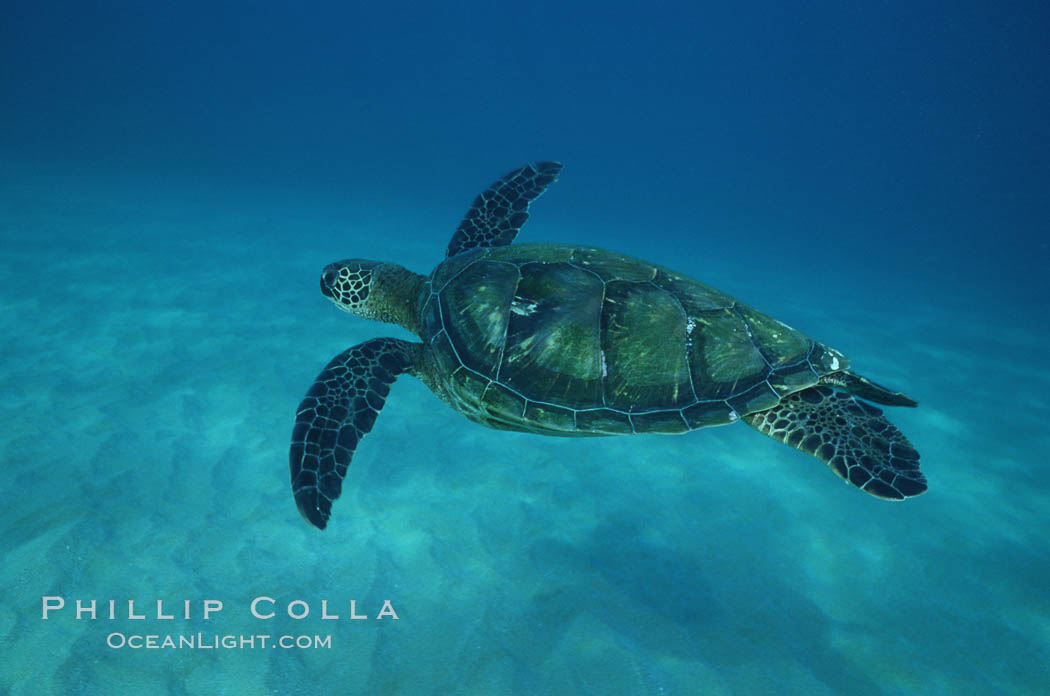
{"type": "Point", "coordinates": [340, 409]}
{"type": "Point", "coordinates": [499, 212]}
{"type": "Point", "coordinates": [852, 437]}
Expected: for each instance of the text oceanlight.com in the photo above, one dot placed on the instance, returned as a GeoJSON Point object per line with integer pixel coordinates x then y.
{"type": "Point", "coordinates": [201, 641]}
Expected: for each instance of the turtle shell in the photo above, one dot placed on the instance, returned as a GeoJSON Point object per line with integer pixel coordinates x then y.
{"type": "Point", "coordinates": [569, 340]}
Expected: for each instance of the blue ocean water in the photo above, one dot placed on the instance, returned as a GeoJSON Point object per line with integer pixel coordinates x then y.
{"type": "Point", "coordinates": [173, 179]}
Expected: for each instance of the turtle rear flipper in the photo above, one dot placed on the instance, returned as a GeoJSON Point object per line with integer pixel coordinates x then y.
{"type": "Point", "coordinates": [338, 410]}
{"type": "Point", "coordinates": [852, 437]}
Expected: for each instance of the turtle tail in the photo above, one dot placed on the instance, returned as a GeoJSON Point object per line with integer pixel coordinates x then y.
{"type": "Point", "coordinates": [866, 389]}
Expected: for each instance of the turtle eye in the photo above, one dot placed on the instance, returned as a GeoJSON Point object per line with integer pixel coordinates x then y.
{"type": "Point", "coordinates": [328, 279]}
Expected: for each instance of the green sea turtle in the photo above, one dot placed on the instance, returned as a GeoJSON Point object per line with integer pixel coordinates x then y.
{"type": "Point", "coordinates": [568, 340]}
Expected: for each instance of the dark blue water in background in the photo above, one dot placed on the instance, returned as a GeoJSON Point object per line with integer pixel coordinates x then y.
{"type": "Point", "coordinates": [172, 179]}
{"type": "Point", "coordinates": [909, 133]}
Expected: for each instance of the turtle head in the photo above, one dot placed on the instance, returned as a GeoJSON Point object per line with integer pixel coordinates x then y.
{"type": "Point", "coordinates": [374, 290]}
{"type": "Point", "coordinates": [349, 285]}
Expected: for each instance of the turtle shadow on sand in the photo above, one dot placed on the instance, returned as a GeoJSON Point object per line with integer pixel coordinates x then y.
{"type": "Point", "coordinates": [657, 601]}
{"type": "Point", "coordinates": [575, 341]}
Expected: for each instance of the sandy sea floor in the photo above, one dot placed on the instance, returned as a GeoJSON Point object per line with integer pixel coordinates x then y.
{"type": "Point", "coordinates": [155, 348]}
